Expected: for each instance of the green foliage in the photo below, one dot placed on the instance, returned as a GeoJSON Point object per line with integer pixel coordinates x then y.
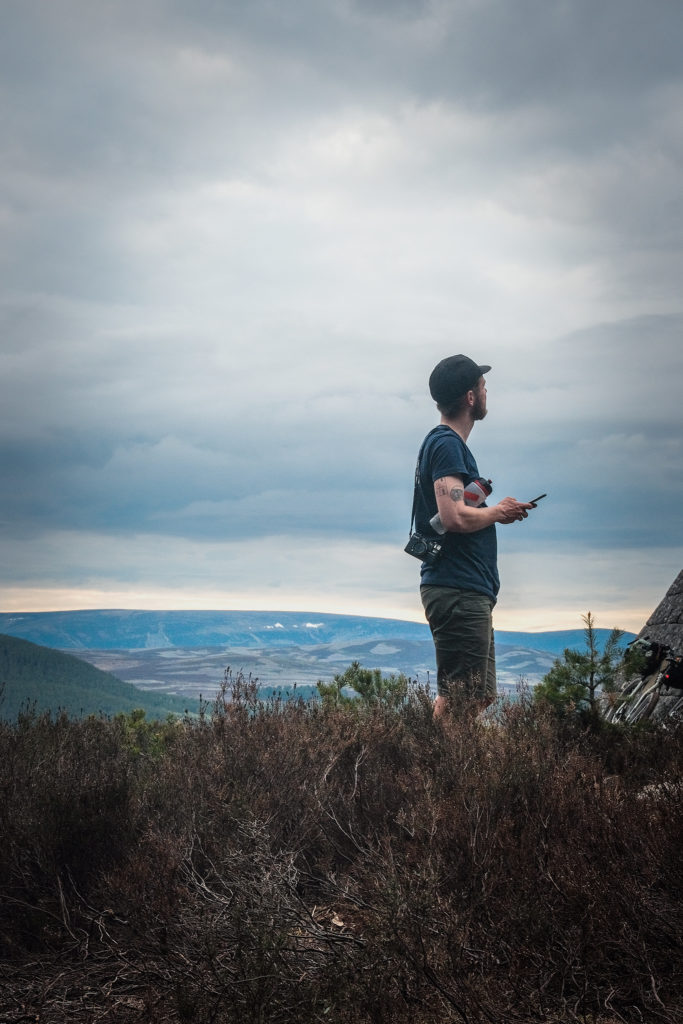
{"type": "Point", "coordinates": [635, 659]}
{"type": "Point", "coordinates": [49, 680]}
{"type": "Point", "coordinates": [144, 737]}
{"type": "Point", "coordinates": [575, 682]}
{"type": "Point", "coordinates": [368, 685]}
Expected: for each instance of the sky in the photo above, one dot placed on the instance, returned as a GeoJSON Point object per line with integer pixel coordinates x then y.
{"type": "Point", "coordinates": [235, 238]}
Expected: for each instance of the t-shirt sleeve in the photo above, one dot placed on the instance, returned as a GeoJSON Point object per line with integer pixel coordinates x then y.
{"type": "Point", "coordinates": [448, 458]}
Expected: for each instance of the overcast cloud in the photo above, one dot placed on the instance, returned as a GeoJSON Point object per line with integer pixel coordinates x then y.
{"type": "Point", "coordinates": [235, 239]}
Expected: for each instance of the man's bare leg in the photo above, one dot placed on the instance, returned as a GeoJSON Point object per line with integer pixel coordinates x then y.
{"type": "Point", "coordinates": [440, 707]}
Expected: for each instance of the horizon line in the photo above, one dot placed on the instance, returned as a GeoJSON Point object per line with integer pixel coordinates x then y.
{"type": "Point", "coordinates": [281, 611]}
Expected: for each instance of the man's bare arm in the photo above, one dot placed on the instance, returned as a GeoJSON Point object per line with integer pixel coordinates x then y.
{"type": "Point", "coordinates": [441, 488]}
{"type": "Point", "coordinates": [457, 517]}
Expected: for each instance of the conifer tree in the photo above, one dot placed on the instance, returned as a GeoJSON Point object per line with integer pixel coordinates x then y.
{"type": "Point", "coordinates": [576, 680]}
{"type": "Point", "coordinates": [368, 683]}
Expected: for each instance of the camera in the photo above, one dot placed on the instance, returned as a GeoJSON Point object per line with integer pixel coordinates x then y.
{"type": "Point", "coordinates": [424, 548]}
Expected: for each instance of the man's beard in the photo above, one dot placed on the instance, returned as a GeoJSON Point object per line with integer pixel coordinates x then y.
{"type": "Point", "coordinates": [479, 409]}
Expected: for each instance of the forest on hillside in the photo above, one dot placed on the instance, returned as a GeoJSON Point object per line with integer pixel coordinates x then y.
{"type": "Point", "coordinates": [32, 676]}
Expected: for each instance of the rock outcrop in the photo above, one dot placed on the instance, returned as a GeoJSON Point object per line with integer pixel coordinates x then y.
{"type": "Point", "coordinates": [656, 692]}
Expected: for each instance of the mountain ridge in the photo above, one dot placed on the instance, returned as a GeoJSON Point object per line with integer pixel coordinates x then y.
{"type": "Point", "coordinates": [134, 629]}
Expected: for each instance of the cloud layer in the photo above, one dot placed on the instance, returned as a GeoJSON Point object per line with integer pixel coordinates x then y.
{"type": "Point", "coordinates": [235, 240]}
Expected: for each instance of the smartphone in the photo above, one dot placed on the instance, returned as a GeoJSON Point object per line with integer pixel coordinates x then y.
{"type": "Point", "coordinates": [534, 500]}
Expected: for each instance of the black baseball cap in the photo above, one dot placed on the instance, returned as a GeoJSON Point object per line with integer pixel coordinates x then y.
{"type": "Point", "coordinates": [453, 376]}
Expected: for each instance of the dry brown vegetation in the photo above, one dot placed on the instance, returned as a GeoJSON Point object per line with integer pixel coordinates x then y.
{"type": "Point", "coordinates": [300, 863]}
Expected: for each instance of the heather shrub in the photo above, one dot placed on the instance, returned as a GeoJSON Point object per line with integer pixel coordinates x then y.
{"type": "Point", "coordinates": [65, 815]}
{"type": "Point", "coordinates": [282, 862]}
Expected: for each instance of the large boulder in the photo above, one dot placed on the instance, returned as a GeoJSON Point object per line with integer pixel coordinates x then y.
{"type": "Point", "coordinates": [657, 691]}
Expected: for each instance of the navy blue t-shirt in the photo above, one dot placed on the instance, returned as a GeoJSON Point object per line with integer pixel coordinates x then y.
{"type": "Point", "coordinates": [469, 560]}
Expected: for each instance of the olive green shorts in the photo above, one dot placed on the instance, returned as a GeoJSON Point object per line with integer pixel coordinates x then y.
{"type": "Point", "coordinates": [462, 629]}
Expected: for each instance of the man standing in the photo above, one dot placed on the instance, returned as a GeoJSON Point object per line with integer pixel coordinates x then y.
{"type": "Point", "coordinates": [459, 590]}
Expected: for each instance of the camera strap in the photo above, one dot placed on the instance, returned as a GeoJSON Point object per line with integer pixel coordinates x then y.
{"type": "Point", "coordinates": [431, 433]}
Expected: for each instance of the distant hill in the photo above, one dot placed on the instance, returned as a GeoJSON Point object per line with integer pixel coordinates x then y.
{"type": "Point", "coordinates": [112, 629]}
{"type": "Point", "coordinates": [31, 675]}
{"type": "Point", "coordinates": [178, 652]}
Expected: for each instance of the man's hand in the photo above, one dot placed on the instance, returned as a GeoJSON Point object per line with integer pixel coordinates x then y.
{"type": "Point", "coordinates": [512, 511]}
